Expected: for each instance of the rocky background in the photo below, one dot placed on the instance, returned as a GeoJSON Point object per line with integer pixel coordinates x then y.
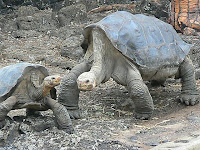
{"type": "Point", "coordinates": [49, 32]}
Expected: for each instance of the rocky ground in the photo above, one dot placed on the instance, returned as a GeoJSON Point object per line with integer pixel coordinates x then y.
{"type": "Point", "coordinates": [52, 39]}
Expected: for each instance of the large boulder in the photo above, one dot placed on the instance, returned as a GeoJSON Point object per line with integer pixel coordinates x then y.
{"type": "Point", "coordinates": [72, 14]}
{"type": "Point", "coordinates": [31, 18]}
{"type": "Point", "coordinates": [71, 49]}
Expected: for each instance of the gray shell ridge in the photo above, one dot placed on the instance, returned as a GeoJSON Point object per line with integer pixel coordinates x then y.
{"type": "Point", "coordinates": [147, 41]}
{"type": "Point", "coordinates": [11, 75]}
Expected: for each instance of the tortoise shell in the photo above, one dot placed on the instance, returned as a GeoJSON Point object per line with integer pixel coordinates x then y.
{"type": "Point", "coordinates": [11, 76]}
{"type": "Point", "coordinates": [147, 41]}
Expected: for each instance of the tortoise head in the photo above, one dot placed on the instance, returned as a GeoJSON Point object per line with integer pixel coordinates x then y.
{"type": "Point", "coordinates": [86, 81]}
{"type": "Point", "coordinates": [52, 81]}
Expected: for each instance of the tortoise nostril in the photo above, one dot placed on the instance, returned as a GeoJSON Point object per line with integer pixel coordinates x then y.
{"type": "Point", "coordinates": [87, 81]}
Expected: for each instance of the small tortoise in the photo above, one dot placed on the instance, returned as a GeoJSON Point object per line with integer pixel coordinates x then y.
{"type": "Point", "coordinates": [25, 85]}
{"type": "Point", "coordinates": [130, 49]}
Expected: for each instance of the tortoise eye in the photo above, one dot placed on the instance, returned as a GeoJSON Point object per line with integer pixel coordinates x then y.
{"type": "Point", "coordinates": [53, 78]}
{"type": "Point", "coordinates": [87, 81]}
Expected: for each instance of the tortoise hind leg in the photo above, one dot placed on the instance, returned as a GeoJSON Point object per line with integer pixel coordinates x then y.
{"type": "Point", "coordinates": [5, 107]}
{"type": "Point", "coordinates": [189, 93]}
{"type": "Point", "coordinates": [139, 93]}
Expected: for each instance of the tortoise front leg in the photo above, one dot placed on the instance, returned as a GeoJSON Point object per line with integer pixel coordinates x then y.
{"type": "Point", "coordinates": [5, 107]}
{"type": "Point", "coordinates": [69, 92]}
{"type": "Point", "coordinates": [189, 93]}
{"type": "Point", "coordinates": [139, 93]}
{"type": "Point", "coordinates": [61, 114]}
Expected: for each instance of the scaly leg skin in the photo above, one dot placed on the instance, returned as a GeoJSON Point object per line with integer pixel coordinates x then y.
{"type": "Point", "coordinates": [5, 107]}
{"type": "Point", "coordinates": [139, 93]}
{"type": "Point", "coordinates": [69, 92]}
{"type": "Point", "coordinates": [189, 93]}
{"type": "Point", "coordinates": [61, 114]}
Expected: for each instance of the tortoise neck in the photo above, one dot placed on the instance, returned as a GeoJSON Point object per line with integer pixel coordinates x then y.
{"type": "Point", "coordinates": [98, 67]}
{"type": "Point", "coordinates": [41, 92]}
{"type": "Point", "coordinates": [46, 90]}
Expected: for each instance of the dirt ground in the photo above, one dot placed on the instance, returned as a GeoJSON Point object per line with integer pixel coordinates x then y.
{"type": "Point", "coordinates": [31, 35]}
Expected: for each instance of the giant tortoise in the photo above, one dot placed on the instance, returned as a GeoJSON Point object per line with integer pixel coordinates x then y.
{"type": "Point", "coordinates": [130, 49]}
{"type": "Point", "coordinates": [25, 85]}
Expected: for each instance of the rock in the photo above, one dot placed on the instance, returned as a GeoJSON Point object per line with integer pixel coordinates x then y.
{"type": "Point", "coordinates": [7, 23]}
{"type": "Point", "coordinates": [183, 143]}
{"type": "Point", "coordinates": [152, 143]}
{"type": "Point", "coordinates": [72, 14]}
{"type": "Point", "coordinates": [25, 33]}
{"type": "Point", "coordinates": [36, 124]}
{"type": "Point", "coordinates": [9, 132]}
{"type": "Point", "coordinates": [27, 11]}
{"type": "Point", "coordinates": [133, 138]}
{"type": "Point", "coordinates": [71, 48]}
{"type": "Point", "coordinates": [30, 18]}
{"type": "Point", "coordinates": [72, 52]}
{"type": "Point", "coordinates": [193, 119]}
{"type": "Point", "coordinates": [2, 140]}
{"type": "Point", "coordinates": [64, 64]}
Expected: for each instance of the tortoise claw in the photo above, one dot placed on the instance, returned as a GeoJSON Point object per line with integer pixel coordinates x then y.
{"type": "Point", "coordinates": [69, 129]}
{"type": "Point", "coordinates": [189, 99]}
{"type": "Point", "coordinates": [142, 116]}
{"type": "Point", "coordinates": [74, 113]}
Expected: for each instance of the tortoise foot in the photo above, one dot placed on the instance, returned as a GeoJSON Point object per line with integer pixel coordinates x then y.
{"type": "Point", "coordinates": [142, 116]}
{"type": "Point", "coordinates": [74, 113]}
{"type": "Point", "coordinates": [189, 99]}
{"type": "Point", "coordinates": [68, 129]}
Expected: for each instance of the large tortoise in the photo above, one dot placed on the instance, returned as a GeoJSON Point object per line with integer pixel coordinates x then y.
{"type": "Point", "coordinates": [25, 85]}
{"type": "Point", "coordinates": [130, 49]}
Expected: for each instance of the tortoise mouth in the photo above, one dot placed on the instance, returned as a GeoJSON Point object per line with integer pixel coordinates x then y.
{"type": "Point", "coordinates": [54, 81]}
{"type": "Point", "coordinates": [84, 86]}
{"type": "Point", "coordinates": [86, 81]}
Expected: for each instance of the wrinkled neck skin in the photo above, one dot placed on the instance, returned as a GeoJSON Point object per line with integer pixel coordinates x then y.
{"type": "Point", "coordinates": [103, 64]}
{"type": "Point", "coordinates": [46, 90]}
{"type": "Point", "coordinates": [41, 92]}
{"type": "Point", "coordinates": [100, 67]}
